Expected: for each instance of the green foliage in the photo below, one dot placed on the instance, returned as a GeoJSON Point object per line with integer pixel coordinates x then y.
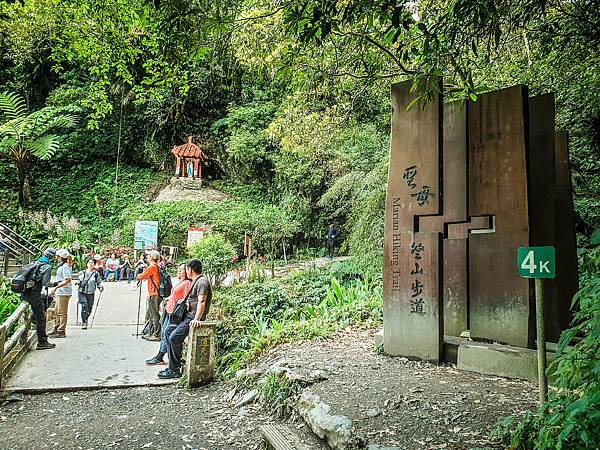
{"type": "Point", "coordinates": [229, 218]}
{"type": "Point", "coordinates": [290, 99]}
{"type": "Point", "coordinates": [215, 253]}
{"type": "Point", "coordinates": [278, 394]}
{"type": "Point", "coordinates": [570, 419]}
{"type": "Point", "coordinates": [79, 201]}
{"type": "Point", "coordinates": [9, 301]}
{"type": "Point", "coordinates": [248, 146]}
{"type": "Point", "coordinates": [256, 316]}
{"type": "Point", "coordinates": [23, 135]}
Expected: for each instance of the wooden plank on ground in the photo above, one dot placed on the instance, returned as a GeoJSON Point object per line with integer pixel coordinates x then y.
{"type": "Point", "coordinates": [282, 437]}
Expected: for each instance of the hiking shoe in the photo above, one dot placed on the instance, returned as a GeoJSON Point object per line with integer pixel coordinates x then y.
{"type": "Point", "coordinates": [154, 362]}
{"type": "Point", "coordinates": [169, 373]}
{"type": "Point", "coordinates": [57, 334]}
{"type": "Point", "coordinates": [152, 338]}
{"type": "Point", "coordinates": [44, 345]}
{"type": "Point", "coordinates": [84, 326]}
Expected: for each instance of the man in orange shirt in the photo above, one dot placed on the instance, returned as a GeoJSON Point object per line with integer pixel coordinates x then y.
{"type": "Point", "coordinates": [151, 331]}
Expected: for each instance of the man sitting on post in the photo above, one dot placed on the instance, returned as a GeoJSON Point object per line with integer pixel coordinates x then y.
{"type": "Point", "coordinates": [198, 303]}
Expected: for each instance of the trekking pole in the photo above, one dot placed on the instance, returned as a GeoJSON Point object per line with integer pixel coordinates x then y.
{"type": "Point", "coordinates": [96, 309]}
{"type": "Point", "coordinates": [137, 326]}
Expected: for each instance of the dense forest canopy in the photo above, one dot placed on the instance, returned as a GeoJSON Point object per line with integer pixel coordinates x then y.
{"type": "Point", "coordinates": [290, 99]}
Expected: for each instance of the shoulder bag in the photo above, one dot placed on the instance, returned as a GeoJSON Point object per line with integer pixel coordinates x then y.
{"type": "Point", "coordinates": [181, 307]}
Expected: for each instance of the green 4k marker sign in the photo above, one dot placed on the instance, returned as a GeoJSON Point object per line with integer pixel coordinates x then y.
{"type": "Point", "coordinates": [536, 262]}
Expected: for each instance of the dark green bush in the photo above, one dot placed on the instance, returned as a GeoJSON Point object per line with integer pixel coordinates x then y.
{"type": "Point", "coordinates": [571, 418]}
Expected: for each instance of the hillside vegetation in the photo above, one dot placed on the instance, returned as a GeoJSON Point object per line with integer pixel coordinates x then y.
{"type": "Point", "coordinates": [290, 101]}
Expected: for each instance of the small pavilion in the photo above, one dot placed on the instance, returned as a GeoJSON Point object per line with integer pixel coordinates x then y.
{"type": "Point", "coordinates": [189, 160]}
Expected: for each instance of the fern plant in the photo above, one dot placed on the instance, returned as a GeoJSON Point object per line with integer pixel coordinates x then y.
{"type": "Point", "coordinates": [24, 135]}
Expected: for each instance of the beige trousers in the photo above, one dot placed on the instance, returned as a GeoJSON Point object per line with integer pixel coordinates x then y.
{"type": "Point", "coordinates": [62, 306]}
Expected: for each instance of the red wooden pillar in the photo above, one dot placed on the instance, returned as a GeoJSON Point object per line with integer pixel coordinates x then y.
{"type": "Point", "coordinates": [178, 167]}
{"type": "Point", "coordinates": [196, 167]}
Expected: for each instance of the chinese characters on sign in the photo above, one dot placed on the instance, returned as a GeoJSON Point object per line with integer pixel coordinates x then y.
{"type": "Point", "coordinates": [416, 301]}
{"type": "Point", "coordinates": [416, 249]}
{"type": "Point", "coordinates": [424, 195]}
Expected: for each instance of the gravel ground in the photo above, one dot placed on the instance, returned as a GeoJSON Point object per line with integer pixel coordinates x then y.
{"type": "Point", "coordinates": [401, 403]}
{"type": "Point", "coordinates": [134, 418]}
{"type": "Point", "coordinates": [391, 401]}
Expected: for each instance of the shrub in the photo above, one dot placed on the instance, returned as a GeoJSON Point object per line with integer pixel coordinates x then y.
{"type": "Point", "coordinates": [571, 418]}
{"type": "Point", "coordinates": [216, 255]}
{"type": "Point", "coordinates": [278, 394]}
{"type": "Point", "coordinates": [257, 316]}
{"type": "Point", "coordinates": [9, 301]}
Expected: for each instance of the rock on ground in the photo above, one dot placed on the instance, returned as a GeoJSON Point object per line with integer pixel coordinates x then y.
{"type": "Point", "coordinates": [396, 403]}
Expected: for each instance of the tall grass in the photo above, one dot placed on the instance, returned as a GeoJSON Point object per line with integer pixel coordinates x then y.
{"type": "Point", "coordinates": [257, 316]}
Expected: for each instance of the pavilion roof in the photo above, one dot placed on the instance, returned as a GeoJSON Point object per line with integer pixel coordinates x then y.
{"type": "Point", "coordinates": [188, 150]}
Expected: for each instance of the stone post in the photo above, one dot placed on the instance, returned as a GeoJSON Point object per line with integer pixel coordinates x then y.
{"type": "Point", "coordinates": [201, 349]}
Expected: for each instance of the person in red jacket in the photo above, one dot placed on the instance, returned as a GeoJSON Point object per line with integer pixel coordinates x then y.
{"type": "Point", "coordinates": [178, 294]}
{"type": "Point", "coordinates": [151, 331]}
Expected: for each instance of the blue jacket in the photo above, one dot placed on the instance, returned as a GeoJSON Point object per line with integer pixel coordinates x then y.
{"type": "Point", "coordinates": [45, 271]}
{"type": "Point", "coordinates": [332, 233]}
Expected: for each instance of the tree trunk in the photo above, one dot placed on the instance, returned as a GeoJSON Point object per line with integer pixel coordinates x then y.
{"type": "Point", "coordinates": [19, 156]}
{"type": "Point", "coordinates": [21, 187]}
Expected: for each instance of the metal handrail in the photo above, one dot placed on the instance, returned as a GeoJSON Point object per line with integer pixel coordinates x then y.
{"type": "Point", "coordinates": [14, 241]}
{"type": "Point", "coordinates": [35, 248]}
{"type": "Point", "coordinates": [9, 248]}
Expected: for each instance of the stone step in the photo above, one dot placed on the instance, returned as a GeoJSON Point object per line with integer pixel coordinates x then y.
{"type": "Point", "coordinates": [282, 437]}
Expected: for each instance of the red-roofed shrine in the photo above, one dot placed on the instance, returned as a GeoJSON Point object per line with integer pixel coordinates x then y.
{"type": "Point", "coordinates": [189, 159]}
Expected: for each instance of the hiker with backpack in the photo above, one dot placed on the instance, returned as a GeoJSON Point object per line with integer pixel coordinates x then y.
{"type": "Point", "coordinates": [29, 282]}
{"type": "Point", "coordinates": [63, 290]}
{"type": "Point", "coordinates": [159, 286]}
{"type": "Point", "coordinates": [89, 281]}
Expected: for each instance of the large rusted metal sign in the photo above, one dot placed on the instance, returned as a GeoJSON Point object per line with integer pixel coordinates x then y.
{"type": "Point", "coordinates": [467, 185]}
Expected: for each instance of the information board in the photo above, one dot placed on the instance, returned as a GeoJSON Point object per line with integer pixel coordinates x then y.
{"type": "Point", "coordinates": [194, 235]}
{"type": "Point", "coordinates": [146, 235]}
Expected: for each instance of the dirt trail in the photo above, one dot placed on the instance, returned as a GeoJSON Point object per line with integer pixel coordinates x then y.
{"type": "Point", "coordinates": [401, 403]}
{"type": "Point", "coordinates": [392, 402]}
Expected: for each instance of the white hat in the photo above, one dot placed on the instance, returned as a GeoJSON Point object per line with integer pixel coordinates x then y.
{"type": "Point", "coordinates": [63, 253]}
{"type": "Point", "coordinates": [154, 254]}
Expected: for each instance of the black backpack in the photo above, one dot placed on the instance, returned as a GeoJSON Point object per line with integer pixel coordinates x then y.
{"type": "Point", "coordinates": [165, 285]}
{"type": "Point", "coordinates": [26, 278]}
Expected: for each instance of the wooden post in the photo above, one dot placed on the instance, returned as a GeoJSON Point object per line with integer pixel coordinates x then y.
{"type": "Point", "coordinates": [541, 342]}
{"type": "Point", "coordinates": [200, 360]}
{"type": "Point", "coordinates": [2, 341]}
{"type": "Point", "coordinates": [177, 166]}
{"type": "Point", "coordinates": [6, 260]}
{"type": "Point", "coordinates": [27, 322]}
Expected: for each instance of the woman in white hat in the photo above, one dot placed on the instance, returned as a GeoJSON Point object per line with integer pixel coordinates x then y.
{"type": "Point", "coordinates": [63, 290]}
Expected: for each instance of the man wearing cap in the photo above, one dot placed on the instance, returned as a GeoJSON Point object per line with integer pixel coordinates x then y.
{"type": "Point", "coordinates": [151, 331]}
{"type": "Point", "coordinates": [63, 290]}
{"type": "Point", "coordinates": [33, 296]}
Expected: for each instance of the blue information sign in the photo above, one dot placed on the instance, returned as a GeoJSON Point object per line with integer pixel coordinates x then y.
{"type": "Point", "coordinates": [146, 235]}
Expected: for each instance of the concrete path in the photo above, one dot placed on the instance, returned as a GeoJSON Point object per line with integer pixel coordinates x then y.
{"type": "Point", "coordinates": [106, 355]}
